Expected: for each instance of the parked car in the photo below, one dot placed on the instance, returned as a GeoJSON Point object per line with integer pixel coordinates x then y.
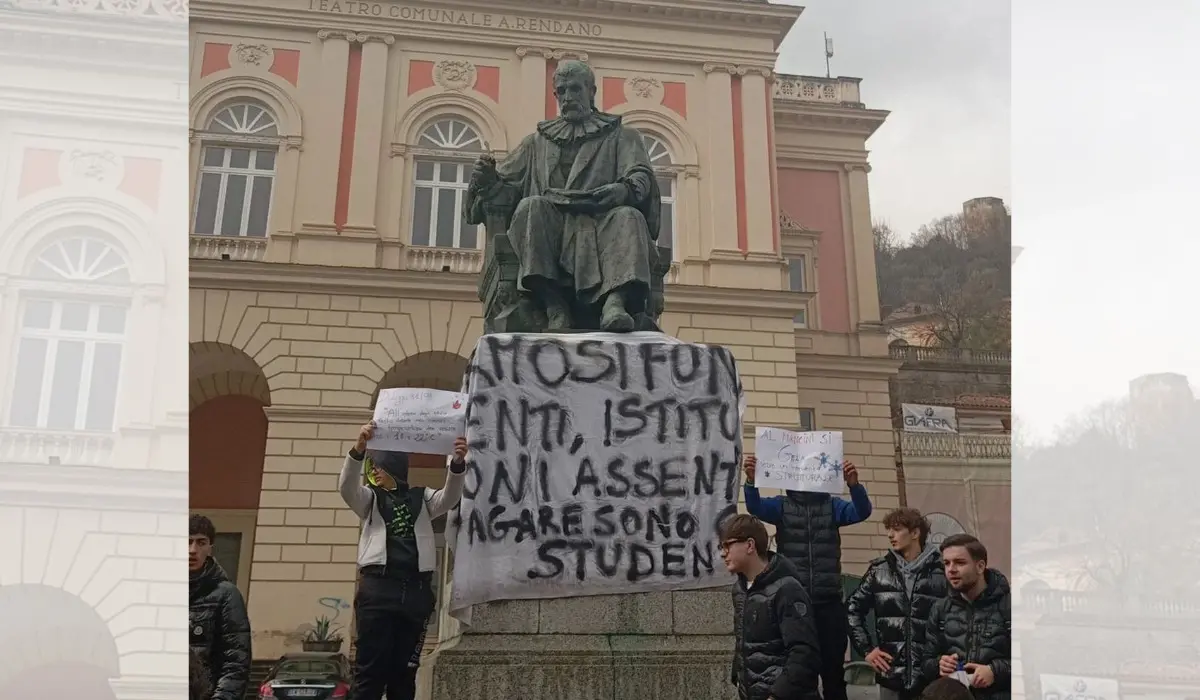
{"type": "Point", "coordinates": [308, 676]}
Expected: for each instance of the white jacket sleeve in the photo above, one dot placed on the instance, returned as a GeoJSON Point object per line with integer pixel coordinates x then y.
{"type": "Point", "coordinates": [354, 493]}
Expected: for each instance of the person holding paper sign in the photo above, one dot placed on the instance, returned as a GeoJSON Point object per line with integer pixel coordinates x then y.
{"type": "Point", "coordinates": [807, 534]}
{"type": "Point", "coordinates": [396, 555]}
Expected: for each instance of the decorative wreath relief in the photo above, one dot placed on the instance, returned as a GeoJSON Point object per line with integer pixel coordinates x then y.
{"type": "Point", "coordinates": [644, 88]}
{"type": "Point", "coordinates": [454, 75]}
{"type": "Point", "coordinates": [252, 55]}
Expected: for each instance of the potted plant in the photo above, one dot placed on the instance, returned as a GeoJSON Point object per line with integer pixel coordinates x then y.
{"type": "Point", "coordinates": [324, 636]}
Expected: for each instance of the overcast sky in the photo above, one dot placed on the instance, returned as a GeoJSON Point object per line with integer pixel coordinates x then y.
{"type": "Point", "coordinates": [941, 67]}
{"type": "Point", "coordinates": [1105, 155]}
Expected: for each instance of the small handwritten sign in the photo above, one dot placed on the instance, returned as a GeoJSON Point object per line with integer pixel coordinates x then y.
{"type": "Point", "coordinates": [810, 461]}
{"type": "Point", "coordinates": [425, 421]}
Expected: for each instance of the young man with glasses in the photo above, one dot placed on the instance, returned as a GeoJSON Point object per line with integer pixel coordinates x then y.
{"type": "Point", "coordinates": [776, 655]}
{"type": "Point", "coordinates": [396, 556]}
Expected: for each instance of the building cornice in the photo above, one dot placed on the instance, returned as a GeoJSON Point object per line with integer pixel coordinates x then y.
{"type": "Point", "coordinates": [847, 366]}
{"type": "Point", "coordinates": [718, 16]}
{"type": "Point", "coordinates": [802, 116]}
{"type": "Point", "coordinates": [441, 286]}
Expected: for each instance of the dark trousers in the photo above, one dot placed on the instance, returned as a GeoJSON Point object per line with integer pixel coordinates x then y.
{"type": "Point", "coordinates": [389, 617]}
{"type": "Point", "coordinates": [832, 632]}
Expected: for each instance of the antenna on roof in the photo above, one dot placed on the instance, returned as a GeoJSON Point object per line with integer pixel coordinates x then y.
{"type": "Point", "coordinates": [828, 54]}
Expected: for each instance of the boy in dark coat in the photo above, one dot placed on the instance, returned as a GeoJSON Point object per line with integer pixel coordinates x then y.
{"type": "Point", "coordinates": [973, 625]}
{"type": "Point", "coordinates": [900, 588]}
{"type": "Point", "coordinates": [777, 656]}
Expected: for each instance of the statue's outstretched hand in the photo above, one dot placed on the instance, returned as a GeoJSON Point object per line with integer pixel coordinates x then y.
{"type": "Point", "coordinates": [484, 173]}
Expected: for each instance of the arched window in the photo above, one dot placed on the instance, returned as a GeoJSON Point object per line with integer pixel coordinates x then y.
{"type": "Point", "coordinates": [444, 154]}
{"type": "Point", "coordinates": [69, 350]}
{"type": "Point", "coordinates": [237, 171]}
{"type": "Point", "coordinates": [660, 158]}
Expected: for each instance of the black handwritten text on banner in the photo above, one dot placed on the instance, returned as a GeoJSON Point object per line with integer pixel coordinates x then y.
{"type": "Point", "coordinates": [599, 463]}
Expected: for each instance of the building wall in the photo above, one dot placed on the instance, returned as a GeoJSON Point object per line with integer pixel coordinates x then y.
{"type": "Point", "coordinates": [338, 301]}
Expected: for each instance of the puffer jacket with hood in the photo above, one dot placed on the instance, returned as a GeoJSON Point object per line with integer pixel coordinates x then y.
{"type": "Point", "coordinates": [776, 652]}
{"type": "Point", "coordinates": [219, 630]}
{"type": "Point", "coordinates": [978, 632]}
{"type": "Point", "coordinates": [901, 593]}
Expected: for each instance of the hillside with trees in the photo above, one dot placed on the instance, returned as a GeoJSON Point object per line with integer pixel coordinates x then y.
{"type": "Point", "coordinates": [957, 270]}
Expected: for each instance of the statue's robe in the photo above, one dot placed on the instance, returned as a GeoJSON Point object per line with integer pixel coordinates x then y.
{"type": "Point", "coordinates": [556, 231]}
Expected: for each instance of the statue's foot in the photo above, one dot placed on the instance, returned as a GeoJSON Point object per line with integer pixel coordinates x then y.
{"type": "Point", "coordinates": [558, 319]}
{"type": "Point", "coordinates": [615, 318]}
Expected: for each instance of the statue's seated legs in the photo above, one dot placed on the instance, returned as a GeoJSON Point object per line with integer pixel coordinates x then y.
{"type": "Point", "coordinates": [590, 260]}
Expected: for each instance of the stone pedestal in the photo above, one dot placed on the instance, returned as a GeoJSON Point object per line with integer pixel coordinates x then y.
{"type": "Point", "coordinates": [666, 646]}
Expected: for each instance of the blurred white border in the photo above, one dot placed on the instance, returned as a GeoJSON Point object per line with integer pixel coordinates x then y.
{"type": "Point", "coordinates": [93, 378]}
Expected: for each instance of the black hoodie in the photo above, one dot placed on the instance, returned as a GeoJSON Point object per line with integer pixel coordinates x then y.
{"type": "Point", "coordinates": [219, 630]}
{"type": "Point", "coordinates": [978, 632]}
{"type": "Point", "coordinates": [777, 653]}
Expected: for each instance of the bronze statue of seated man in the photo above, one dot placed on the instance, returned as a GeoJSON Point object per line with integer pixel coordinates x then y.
{"type": "Point", "coordinates": [585, 208]}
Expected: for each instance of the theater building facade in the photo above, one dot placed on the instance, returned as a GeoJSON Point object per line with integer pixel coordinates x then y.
{"type": "Point", "coordinates": [331, 145]}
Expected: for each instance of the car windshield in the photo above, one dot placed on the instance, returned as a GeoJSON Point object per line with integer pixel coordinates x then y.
{"type": "Point", "coordinates": [307, 668]}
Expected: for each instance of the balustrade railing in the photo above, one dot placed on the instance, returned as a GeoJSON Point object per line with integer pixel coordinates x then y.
{"type": "Point", "coordinates": [952, 446]}
{"type": "Point", "coordinates": [807, 88]}
{"type": "Point", "coordinates": [229, 248]}
{"type": "Point", "coordinates": [1091, 603]}
{"type": "Point", "coordinates": [965, 356]}
{"type": "Point", "coordinates": [35, 446]}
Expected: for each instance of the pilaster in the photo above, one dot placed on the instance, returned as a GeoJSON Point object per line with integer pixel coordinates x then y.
{"type": "Point", "coordinates": [722, 218]}
{"type": "Point", "coordinates": [532, 106]}
{"type": "Point", "coordinates": [760, 214]}
{"type": "Point", "coordinates": [368, 135]}
{"type": "Point", "coordinates": [319, 176]}
{"type": "Point", "coordinates": [864, 283]}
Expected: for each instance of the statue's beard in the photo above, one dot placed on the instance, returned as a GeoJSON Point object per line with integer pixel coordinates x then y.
{"type": "Point", "coordinates": [575, 112]}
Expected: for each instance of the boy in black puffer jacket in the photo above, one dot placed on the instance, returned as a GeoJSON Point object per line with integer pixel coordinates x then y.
{"type": "Point", "coordinates": [972, 626]}
{"type": "Point", "coordinates": [900, 588]}
{"type": "Point", "coordinates": [776, 656]}
{"type": "Point", "coordinates": [218, 625]}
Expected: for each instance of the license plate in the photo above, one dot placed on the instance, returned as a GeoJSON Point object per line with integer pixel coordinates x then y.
{"type": "Point", "coordinates": [303, 693]}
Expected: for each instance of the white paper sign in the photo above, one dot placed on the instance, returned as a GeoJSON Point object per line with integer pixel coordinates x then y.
{"type": "Point", "coordinates": [929, 419]}
{"type": "Point", "coordinates": [1056, 687]}
{"type": "Point", "coordinates": [599, 463]}
{"type": "Point", "coordinates": [810, 461]}
{"type": "Point", "coordinates": [425, 421]}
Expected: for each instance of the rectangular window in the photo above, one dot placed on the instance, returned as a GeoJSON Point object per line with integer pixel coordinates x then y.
{"type": "Point", "coordinates": [667, 223]}
{"type": "Point", "coordinates": [808, 420]}
{"type": "Point", "coordinates": [440, 191]}
{"type": "Point", "coordinates": [796, 283]}
{"type": "Point", "coordinates": [68, 364]}
{"type": "Point", "coordinates": [234, 193]}
{"type": "Point", "coordinates": [227, 550]}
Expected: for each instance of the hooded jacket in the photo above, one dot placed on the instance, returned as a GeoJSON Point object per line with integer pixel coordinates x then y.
{"type": "Point", "coordinates": [372, 541]}
{"type": "Point", "coordinates": [901, 594]}
{"type": "Point", "coordinates": [219, 630]}
{"type": "Point", "coordinates": [776, 653]}
{"type": "Point", "coordinates": [979, 632]}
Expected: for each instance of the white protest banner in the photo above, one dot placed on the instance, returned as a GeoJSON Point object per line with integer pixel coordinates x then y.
{"type": "Point", "coordinates": [599, 463]}
{"type": "Point", "coordinates": [424, 421]}
{"type": "Point", "coordinates": [929, 419]}
{"type": "Point", "coordinates": [1056, 687]}
{"type": "Point", "coordinates": [794, 461]}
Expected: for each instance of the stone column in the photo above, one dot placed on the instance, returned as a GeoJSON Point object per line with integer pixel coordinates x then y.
{"type": "Point", "coordinates": [719, 176]}
{"type": "Point", "coordinates": [864, 285]}
{"type": "Point", "coordinates": [531, 107]}
{"type": "Point", "coordinates": [760, 215]}
{"type": "Point", "coordinates": [319, 176]}
{"type": "Point", "coordinates": [368, 133]}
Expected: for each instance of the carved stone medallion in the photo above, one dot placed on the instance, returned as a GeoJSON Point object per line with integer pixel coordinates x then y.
{"type": "Point", "coordinates": [454, 74]}
{"type": "Point", "coordinates": [644, 89]}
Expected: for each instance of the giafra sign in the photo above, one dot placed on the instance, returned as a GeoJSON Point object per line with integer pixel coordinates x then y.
{"type": "Point", "coordinates": [929, 419]}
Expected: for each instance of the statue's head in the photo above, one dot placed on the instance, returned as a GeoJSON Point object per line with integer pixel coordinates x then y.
{"type": "Point", "coordinates": [575, 90]}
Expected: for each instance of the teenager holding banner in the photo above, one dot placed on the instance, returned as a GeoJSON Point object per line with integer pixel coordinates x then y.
{"type": "Point", "coordinates": [776, 655]}
{"type": "Point", "coordinates": [807, 534]}
{"type": "Point", "coordinates": [396, 556]}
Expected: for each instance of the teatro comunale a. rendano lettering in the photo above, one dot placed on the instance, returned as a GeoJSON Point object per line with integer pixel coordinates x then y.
{"type": "Point", "coordinates": [331, 146]}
